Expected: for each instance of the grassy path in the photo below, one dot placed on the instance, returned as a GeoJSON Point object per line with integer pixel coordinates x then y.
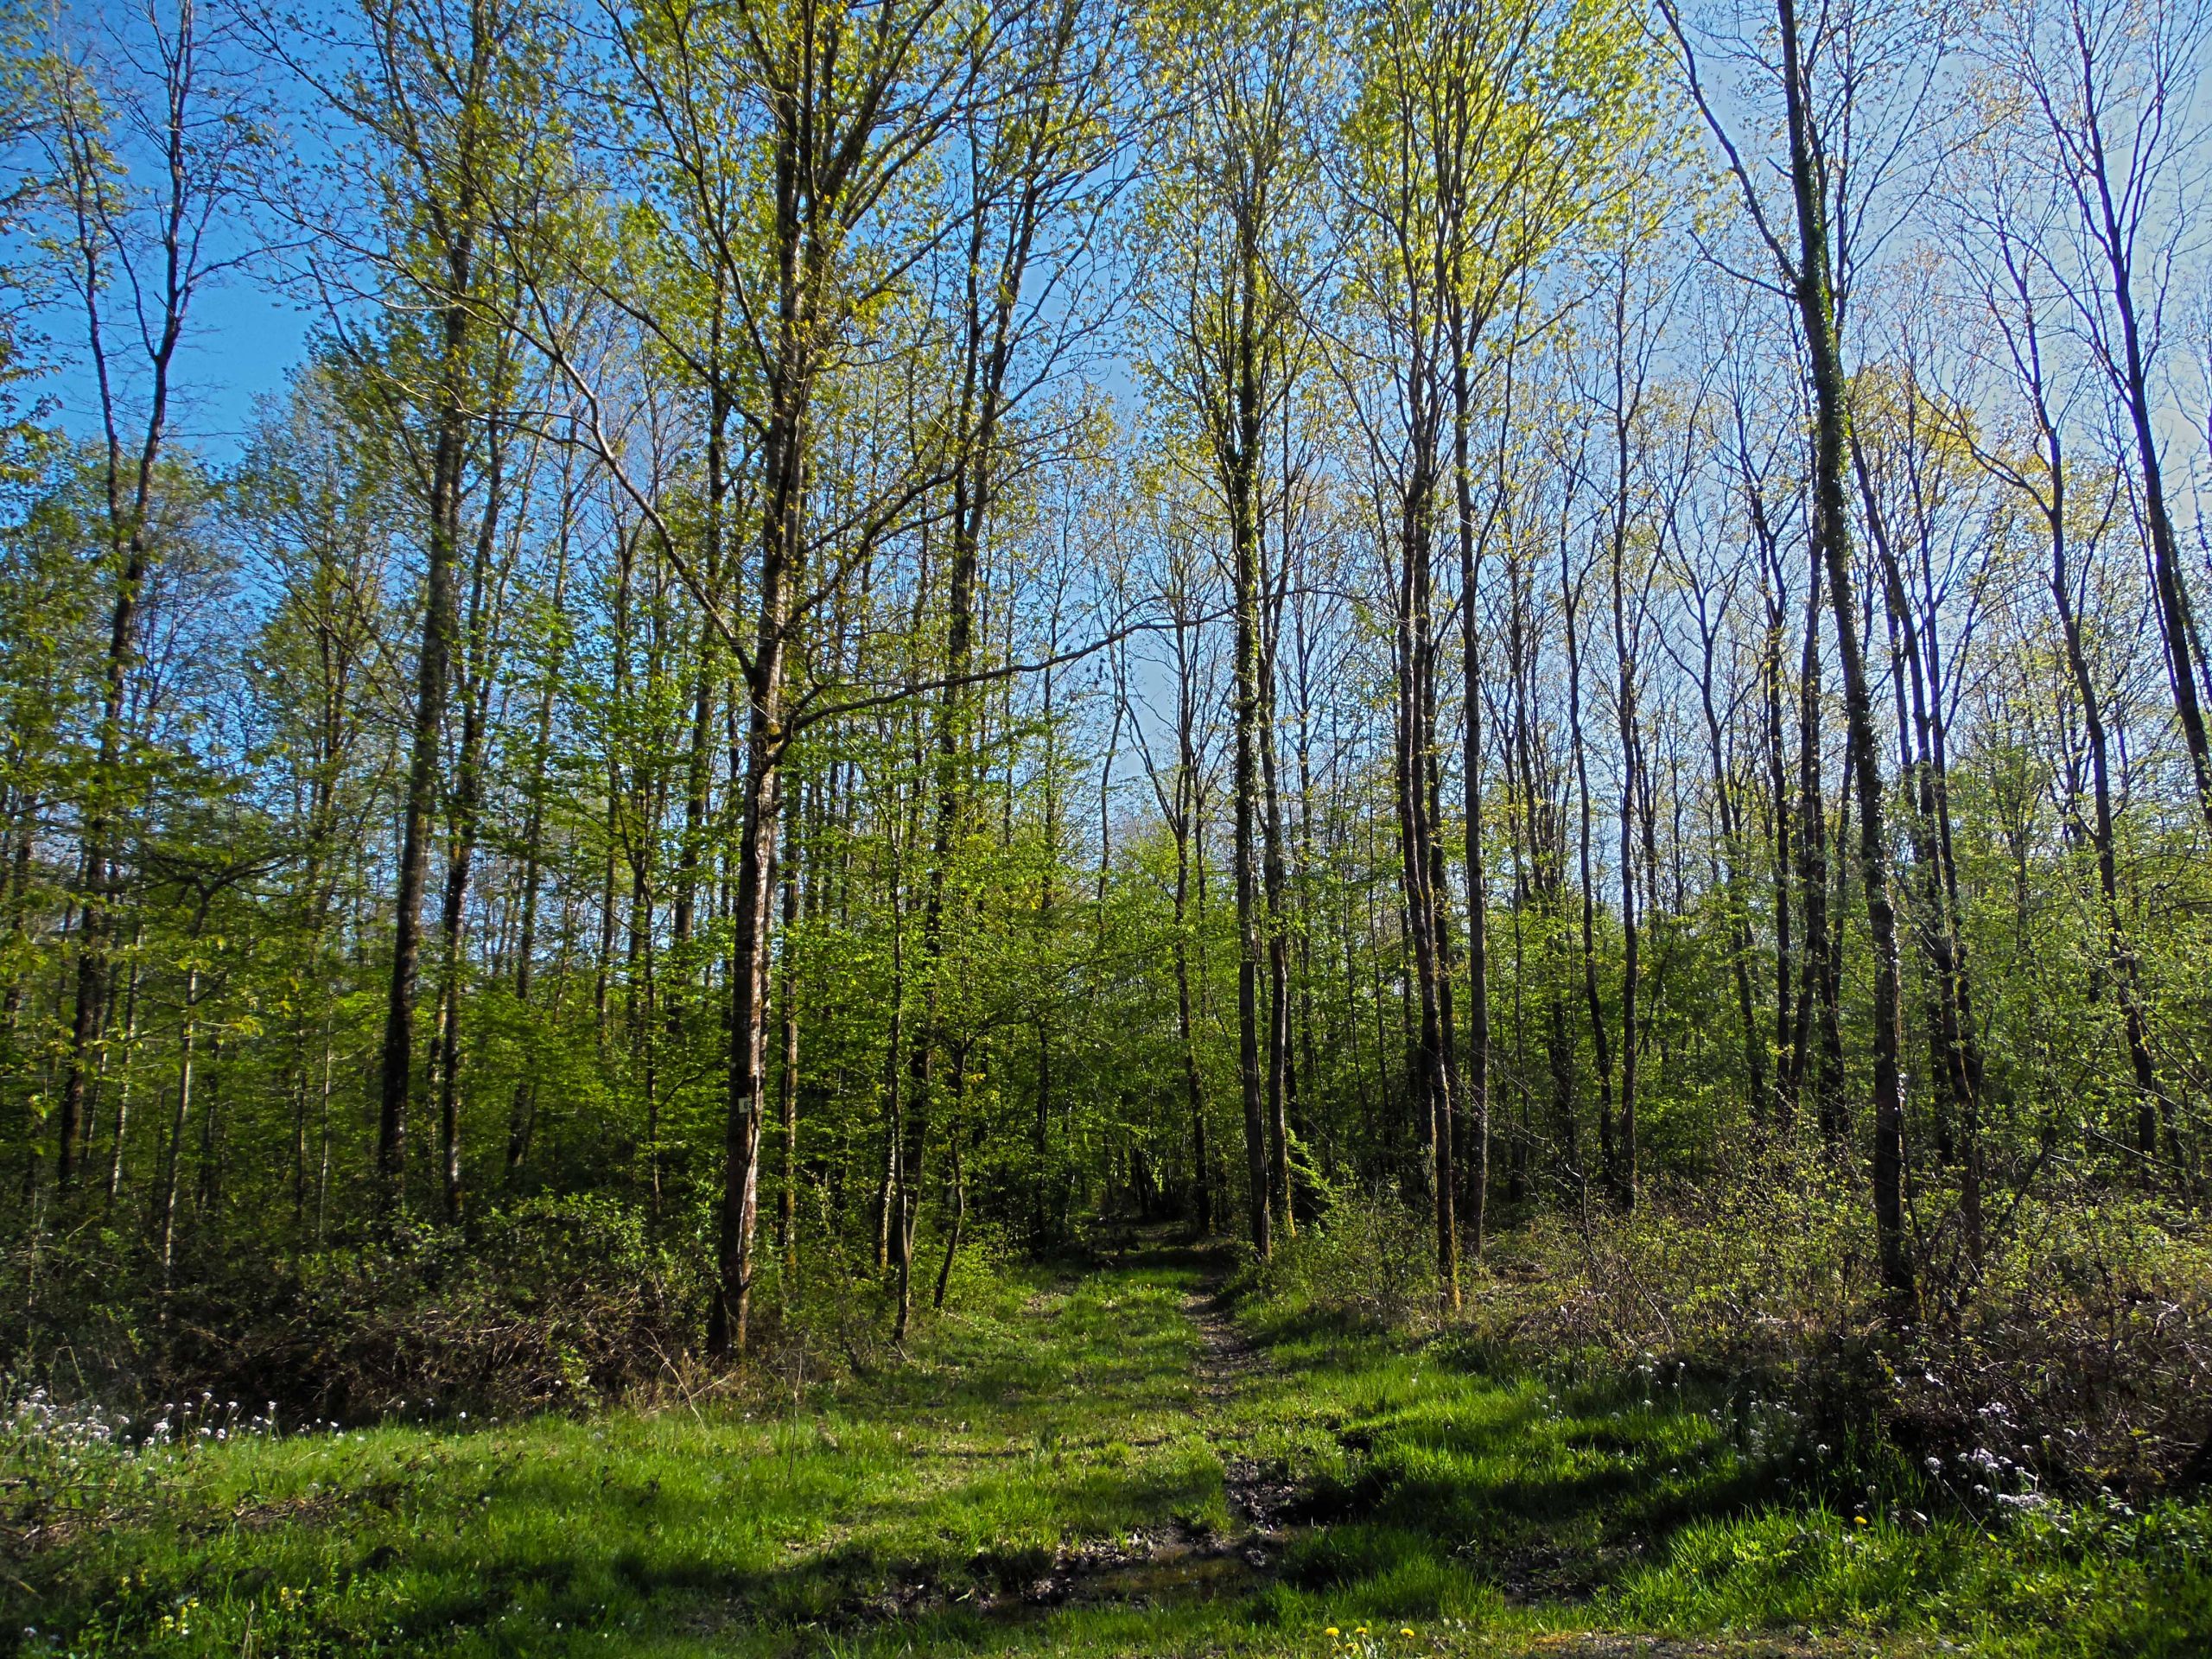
{"type": "Point", "coordinates": [1104, 1463]}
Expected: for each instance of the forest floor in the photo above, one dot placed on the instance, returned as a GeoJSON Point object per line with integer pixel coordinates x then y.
{"type": "Point", "coordinates": [1114, 1461]}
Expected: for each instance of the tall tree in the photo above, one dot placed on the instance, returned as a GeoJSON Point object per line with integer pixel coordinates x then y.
{"type": "Point", "coordinates": [2115, 87]}
{"type": "Point", "coordinates": [1227, 305]}
{"type": "Point", "coordinates": [1827, 82]}
{"type": "Point", "coordinates": [167, 97]}
{"type": "Point", "coordinates": [440, 110]}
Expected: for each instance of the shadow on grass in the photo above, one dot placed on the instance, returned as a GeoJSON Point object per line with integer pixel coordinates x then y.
{"type": "Point", "coordinates": [1444, 1464]}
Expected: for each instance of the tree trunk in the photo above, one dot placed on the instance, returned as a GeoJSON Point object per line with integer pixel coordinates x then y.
{"type": "Point", "coordinates": [1816, 297]}
{"type": "Point", "coordinates": [1475, 1172]}
{"type": "Point", "coordinates": [448, 457]}
{"type": "Point", "coordinates": [760, 766]}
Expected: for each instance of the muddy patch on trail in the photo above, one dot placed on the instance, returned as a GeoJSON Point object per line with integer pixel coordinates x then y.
{"type": "Point", "coordinates": [1146, 1570]}
{"type": "Point", "coordinates": [1140, 1571]}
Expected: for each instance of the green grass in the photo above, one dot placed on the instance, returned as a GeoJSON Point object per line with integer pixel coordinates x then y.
{"type": "Point", "coordinates": [915, 1511]}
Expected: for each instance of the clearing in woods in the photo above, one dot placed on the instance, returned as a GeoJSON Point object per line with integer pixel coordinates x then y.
{"type": "Point", "coordinates": [1114, 1461]}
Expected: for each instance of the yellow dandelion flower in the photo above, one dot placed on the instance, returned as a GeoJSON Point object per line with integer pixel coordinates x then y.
{"type": "Point", "coordinates": [1332, 1630]}
{"type": "Point", "coordinates": [1406, 1629]}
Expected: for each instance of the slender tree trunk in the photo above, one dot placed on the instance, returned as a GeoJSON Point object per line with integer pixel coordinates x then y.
{"type": "Point", "coordinates": [1727, 873]}
{"type": "Point", "coordinates": [1816, 297]}
{"type": "Point", "coordinates": [123, 1088]}
{"type": "Point", "coordinates": [894, 1052]}
{"type": "Point", "coordinates": [178, 1120]}
{"type": "Point", "coordinates": [1786, 1095]}
{"type": "Point", "coordinates": [1632, 781]}
{"type": "Point", "coordinates": [1435, 1064]}
{"type": "Point", "coordinates": [432, 672]}
{"type": "Point", "coordinates": [1190, 842]}
{"type": "Point", "coordinates": [760, 766]}
{"type": "Point", "coordinates": [1956, 1052]}
{"type": "Point", "coordinates": [1593, 1001]}
{"type": "Point", "coordinates": [2168, 580]}
{"type": "Point", "coordinates": [522, 1114]}
{"type": "Point", "coordinates": [699, 756]}
{"type": "Point", "coordinates": [475, 691]}
{"type": "Point", "coordinates": [1240, 466]}
{"type": "Point", "coordinates": [2153, 1105]}
{"type": "Point", "coordinates": [188, 191]}
{"type": "Point", "coordinates": [1475, 1173]}
{"type": "Point", "coordinates": [959, 1082]}
{"type": "Point", "coordinates": [787, 1073]}
{"type": "Point", "coordinates": [1281, 1075]}
{"type": "Point", "coordinates": [1812, 873]}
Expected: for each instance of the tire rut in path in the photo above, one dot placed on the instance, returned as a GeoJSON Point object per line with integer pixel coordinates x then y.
{"type": "Point", "coordinates": [1227, 1364]}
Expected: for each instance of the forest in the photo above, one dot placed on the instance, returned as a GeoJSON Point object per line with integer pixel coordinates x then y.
{"type": "Point", "coordinates": [1105, 826]}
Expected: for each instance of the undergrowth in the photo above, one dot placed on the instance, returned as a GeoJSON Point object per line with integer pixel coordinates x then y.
{"type": "Point", "coordinates": [2077, 1349]}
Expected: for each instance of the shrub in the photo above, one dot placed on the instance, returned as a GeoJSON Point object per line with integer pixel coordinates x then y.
{"type": "Point", "coordinates": [1370, 1261]}
{"type": "Point", "coordinates": [2081, 1348]}
{"type": "Point", "coordinates": [554, 1303]}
